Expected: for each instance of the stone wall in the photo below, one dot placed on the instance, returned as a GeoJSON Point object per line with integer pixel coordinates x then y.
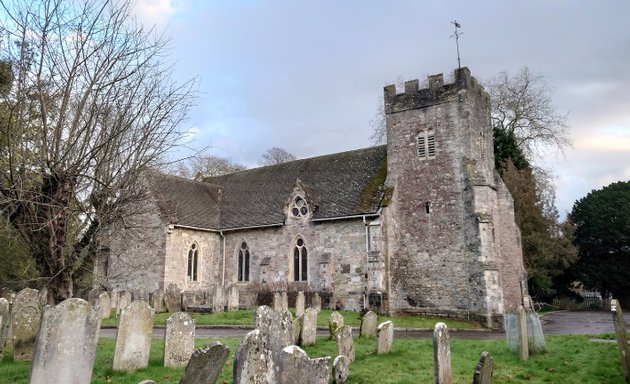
{"type": "Point", "coordinates": [178, 243]}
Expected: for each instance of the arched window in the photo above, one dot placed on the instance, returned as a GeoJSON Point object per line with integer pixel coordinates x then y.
{"type": "Point", "coordinates": [243, 262]}
{"type": "Point", "coordinates": [193, 262]}
{"type": "Point", "coordinates": [300, 261]}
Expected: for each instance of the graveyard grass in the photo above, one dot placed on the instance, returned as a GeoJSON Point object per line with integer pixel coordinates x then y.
{"type": "Point", "coordinates": [571, 359]}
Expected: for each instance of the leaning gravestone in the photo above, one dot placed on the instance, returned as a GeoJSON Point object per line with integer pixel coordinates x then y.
{"type": "Point", "coordinates": [124, 299]}
{"type": "Point", "coordinates": [316, 302]}
{"type": "Point", "coordinates": [299, 304]}
{"type": "Point", "coordinates": [442, 355]}
{"type": "Point", "coordinates": [384, 337]}
{"type": "Point", "coordinates": [26, 322]}
{"type": "Point", "coordinates": [104, 305]}
{"type": "Point", "coordinates": [66, 345]}
{"type": "Point", "coordinates": [179, 340]}
{"type": "Point", "coordinates": [309, 328]}
{"type": "Point", "coordinates": [133, 338]}
{"type": "Point", "coordinates": [173, 298]}
{"type": "Point", "coordinates": [334, 321]}
{"type": "Point", "coordinates": [345, 344]}
{"type": "Point", "coordinates": [205, 364]}
{"type": "Point", "coordinates": [483, 371]}
{"type": "Point", "coordinates": [253, 363]}
{"type": "Point", "coordinates": [5, 320]}
{"type": "Point", "coordinates": [157, 301]}
{"type": "Point", "coordinates": [298, 368]}
{"type": "Point", "coordinates": [341, 369]}
{"type": "Point", "coordinates": [369, 321]}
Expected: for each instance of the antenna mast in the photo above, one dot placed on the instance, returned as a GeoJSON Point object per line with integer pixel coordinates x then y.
{"type": "Point", "coordinates": [456, 36]}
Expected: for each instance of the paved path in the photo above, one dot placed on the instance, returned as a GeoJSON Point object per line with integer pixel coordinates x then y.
{"type": "Point", "coordinates": [555, 323]}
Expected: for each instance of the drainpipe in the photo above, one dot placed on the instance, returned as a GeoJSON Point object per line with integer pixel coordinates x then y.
{"type": "Point", "coordinates": [223, 258]}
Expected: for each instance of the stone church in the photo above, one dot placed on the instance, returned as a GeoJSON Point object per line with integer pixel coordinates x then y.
{"type": "Point", "coordinates": [422, 224]}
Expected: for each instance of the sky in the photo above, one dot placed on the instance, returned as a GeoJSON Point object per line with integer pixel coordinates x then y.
{"type": "Point", "coordinates": [308, 76]}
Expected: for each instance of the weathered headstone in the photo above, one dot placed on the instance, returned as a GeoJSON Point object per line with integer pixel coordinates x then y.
{"type": "Point", "coordinates": [140, 294]}
{"type": "Point", "coordinates": [298, 368]}
{"type": "Point", "coordinates": [179, 340]}
{"type": "Point", "coordinates": [5, 321]}
{"type": "Point", "coordinates": [173, 298]}
{"type": "Point", "coordinates": [205, 364]}
{"type": "Point", "coordinates": [309, 328]}
{"type": "Point", "coordinates": [26, 322]}
{"type": "Point", "coordinates": [345, 343]}
{"type": "Point", "coordinates": [384, 337]}
{"type": "Point", "coordinates": [284, 300]}
{"type": "Point", "coordinates": [277, 326]}
{"type": "Point", "coordinates": [483, 371]}
{"type": "Point", "coordinates": [233, 298]}
{"type": "Point", "coordinates": [335, 320]}
{"type": "Point", "coordinates": [277, 301]}
{"type": "Point", "coordinates": [104, 305]}
{"type": "Point", "coordinates": [622, 337]}
{"type": "Point", "coordinates": [253, 363]}
{"type": "Point", "coordinates": [93, 295]}
{"type": "Point", "coordinates": [442, 355]}
{"type": "Point", "coordinates": [43, 297]}
{"type": "Point", "coordinates": [66, 345]}
{"type": "Point", "coordinates": [297, 329]}
{"type": "Point", "coordinates": [218, 300]}
{"type": "Point", "coordinates": [133, 338]}
{"type": "Point", "coordinates": [341, 368]}
{"type": "Point", "coordinates": [535, 336]}
{"type": "Point", "coordinates": [124, 299]}
{"type": "Point", "coordinates": [8, 294]}
{"type": "Point", "coordinates": [113, 296]}
{"type": "Point", "coordinates": [157, 301]}
{"type": "Point", "coordinates": [316, 302]}
{"type": "Point", "coordinates": [299, 304]}
{"type": "Point", "coordinates": [27, 297]}
{"type": "Point", "coordinates": [369, 321]}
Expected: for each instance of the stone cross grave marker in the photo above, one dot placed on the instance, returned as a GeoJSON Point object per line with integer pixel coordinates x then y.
{"type": "Point", "coordinates": [205, 364]}
{"type": "Point", "coordinates": [384, 337]}
{"type": "Point", "coordinates": [483, 371]}
{"type": "Point", "coordinates": [345, 344]}
{"type": "Point", "coordinates": [308, 334]}
{"type": "Point", "coordinates": [442, 355]}
{"type": "Point", "coordinates": [179, 340]}
{"type": "Point", "coordinates": [133, 337]}
{"type": "Point", "coordinates": [369, 321]}
{"type": "Point", "coordinates": [335, 320]}
{"type": "Point", "coordinates": [66, 345]}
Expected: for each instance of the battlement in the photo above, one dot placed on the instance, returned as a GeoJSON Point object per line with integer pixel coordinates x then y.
{"type": "Point", "coordinates": [412, 97]}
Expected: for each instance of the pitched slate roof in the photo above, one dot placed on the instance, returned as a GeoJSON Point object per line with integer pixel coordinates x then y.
{"type": "Point", "coordinates": [186, 202]}
{"type": "Point", "coordinates": [342, 184]}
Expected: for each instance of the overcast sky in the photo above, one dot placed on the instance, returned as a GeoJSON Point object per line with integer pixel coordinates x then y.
{"type": "Point", "coordinates": [307, 75]}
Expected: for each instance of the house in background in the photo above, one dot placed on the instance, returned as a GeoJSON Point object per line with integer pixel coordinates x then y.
{"type": "Point", "coordinates": [422, 224]}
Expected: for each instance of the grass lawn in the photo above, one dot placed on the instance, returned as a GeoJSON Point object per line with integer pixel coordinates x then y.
{"type": "Point", "coordinates": [571, 359]}
{"type": "Point", "coordinates": [246, 318]}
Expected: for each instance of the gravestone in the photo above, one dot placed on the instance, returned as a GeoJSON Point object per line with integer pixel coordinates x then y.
{"type": "Point", "coordinates": [277, 327]}
{"type": "Point", "coordinates": [369, 321]}
{"type": "Point", "coordinates": [341, 370]}
{"type": "Point", "coordinates": [205, 364]}
{"type": "Point", "coordinates": [43, 297]}
{"type": "Point", "coordinates": [124, 299]}
{"type": "Point", "coordinates": [316, 302]}
{"type": "Point", "coordinates": [5, 320]}
{"type": "Point", "coordinates": [299, 304]}
{"type": "Point", "coordinates": [345, 344]}
{"type": "Point", "coordinates": [113, 296]}
{"type": "Point", "coordinates": [26, 322]}
{"type": "Point", "coordinates": [297, 329]}
{"type": "Point", "coordinates": [535, 336]}
{"type": "Point", "coordinates": [309, 328]}
{"type": "Point", "coordinates": [335, 320]}
{"type": "Point", "coordinates": [8, 294]}
{"type": "Point", "coordinates": [298, 368]}
{"type": "Point", "coordinates": [218, 300]}
{"type": "Point", "coordinates": [25, 298]}
{"type": "Point", "coordinates": [483, 371]}
{"type": "Point", "coordinates": [253, 363]}
{"type": "Point", "coordinates": [133, 337]}
{"type": "Point", "coordinates": [173, 298]}
{"type": "Point", "coordinates": [66, 345]}
{"type": "Point", "coordinates": [140, 294]}
{"type": "Point", "coordinates": [179, 340]}
{"type": "Point", "coordinates": [157, 301]}
{"type": "Point", "coordinates": [233, 298]}
{"type": "Point", "coordinates": [284, 300]}
{"type": "Point", "coordinates": [104, 305]}
{"type": "Point", "coordinates": [442, 355]}
{"type": "Point", "coordinates": [277, 301]}
{"type": "Point", "coordinates": [384, 337]}
{"type": "Point", "coordinates": [93, 295]}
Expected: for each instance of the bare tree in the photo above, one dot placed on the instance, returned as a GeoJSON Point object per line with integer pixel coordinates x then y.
{"type": "Point", "coordinates": [207, 165]}
{"type": "Point", "coordinates": [276, 155]}
{"type": "Point", "coordinates": [522, 107]}
{"type": "Point", "coordinates": [91, 106]}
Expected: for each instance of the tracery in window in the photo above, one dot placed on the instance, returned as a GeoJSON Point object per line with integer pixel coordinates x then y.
{"type": "Point", "coordinates": [243, 262]}
{"type": "Point", "coordinates": [300, 261]}
{"type": "Point", "coordinates": [299, 208]}
{"type": "Point", "coordinates": [193, 262]}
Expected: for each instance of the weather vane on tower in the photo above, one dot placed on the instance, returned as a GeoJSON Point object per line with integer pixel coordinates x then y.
{"type": "Point", "coordinates": [456, 36]}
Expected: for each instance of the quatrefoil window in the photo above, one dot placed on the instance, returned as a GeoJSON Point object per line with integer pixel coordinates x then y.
{"type": "Point", "coordinates": [299, 208]}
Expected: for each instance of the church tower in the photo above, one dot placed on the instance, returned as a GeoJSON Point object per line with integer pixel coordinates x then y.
{"type": "Point", "coordinates": [452, 244]}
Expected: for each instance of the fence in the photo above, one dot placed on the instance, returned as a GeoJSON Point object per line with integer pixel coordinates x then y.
{"type": "Point", "coordinates": [583, 304]}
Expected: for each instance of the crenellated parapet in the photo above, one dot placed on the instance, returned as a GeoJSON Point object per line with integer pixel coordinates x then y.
{"type": "Point", "coordinates": [413, 97]}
